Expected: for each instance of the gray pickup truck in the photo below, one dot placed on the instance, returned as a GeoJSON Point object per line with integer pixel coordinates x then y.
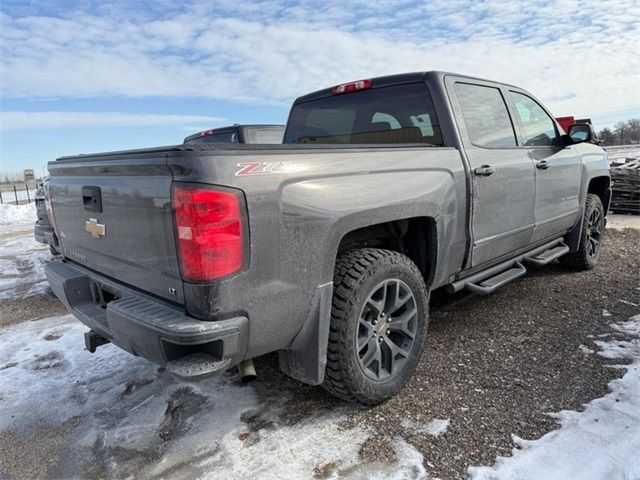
{"type": "Point", "coordinates": [325, 248]}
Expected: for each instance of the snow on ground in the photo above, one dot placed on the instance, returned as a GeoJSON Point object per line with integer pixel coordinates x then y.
{"type": "Point", "coordinates": [620, 222]}
{"type": "Point", "coordinates": [21, 257]}
{"type": "Point", "coordinates": [435, 428]}
{"type": "Point", "coordinates": [136, 418]}
{"type": "Point", "coordinates": [602, 442]}
{"type": "Point", "coordinates": [621, 153]}
{"type": "Point", "coordinates": [12, 214]}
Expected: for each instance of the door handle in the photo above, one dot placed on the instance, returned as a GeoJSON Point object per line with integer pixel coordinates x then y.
{"type": "Point", "coordinates": [542, 165]}
{"type": "Point", "coordinates": [484, 170]}
{"type": "Point", "coordinates": [92, 199]}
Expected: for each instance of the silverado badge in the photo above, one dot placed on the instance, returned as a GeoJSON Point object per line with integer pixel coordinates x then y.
{"type": "Point", "coordinates": [96, 229]}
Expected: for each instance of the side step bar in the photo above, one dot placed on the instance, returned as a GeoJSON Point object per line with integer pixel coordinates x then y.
{"type": "Point", "coordinates": [491, 284]}
{"type": "Point", "coordinates": [547, 256]}
{"type": "Point", "coordinates": [489, 280]}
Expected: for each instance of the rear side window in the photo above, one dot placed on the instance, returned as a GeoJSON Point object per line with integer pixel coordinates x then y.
{"type": "Point", "coordinates": [539, 128]}
{"type": "Point", "coordinates": [486, 116]}
{"type": "Point", "coordinates": [396, 114]}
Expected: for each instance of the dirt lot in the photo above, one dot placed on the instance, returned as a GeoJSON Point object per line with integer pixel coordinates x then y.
{"type": "Point", "coordinates": [493, 366]}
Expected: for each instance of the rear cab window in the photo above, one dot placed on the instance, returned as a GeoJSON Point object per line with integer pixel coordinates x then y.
{"type": "Point", "coordinates": [393, 114]}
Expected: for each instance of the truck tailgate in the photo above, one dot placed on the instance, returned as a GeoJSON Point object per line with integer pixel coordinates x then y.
{"type": "Point", "coordinates": [113, 214]}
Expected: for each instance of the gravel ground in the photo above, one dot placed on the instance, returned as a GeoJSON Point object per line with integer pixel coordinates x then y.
{"type": "Point", "coordinates": [33, 307]}
{"type": "Point", "coordinates": [493, 366]}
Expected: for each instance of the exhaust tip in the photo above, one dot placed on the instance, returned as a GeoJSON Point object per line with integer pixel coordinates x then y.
{"type": "Point", "coordinates": [247, 370]}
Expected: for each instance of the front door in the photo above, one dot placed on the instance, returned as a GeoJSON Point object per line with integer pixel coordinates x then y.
{"type": "Point", "coordinates": [557, 169]}
{"type": "Point", "coordinates": [503, 178]}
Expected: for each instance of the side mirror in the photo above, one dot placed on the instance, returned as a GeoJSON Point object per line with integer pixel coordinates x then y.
{"type": "Point", "coordinates": [582, 132]}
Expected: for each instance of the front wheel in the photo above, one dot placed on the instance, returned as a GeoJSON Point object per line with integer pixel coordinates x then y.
{"type": "Point", "coordinates": [379, 322]}
{"type": "Point", "coordinates": [588, 253]}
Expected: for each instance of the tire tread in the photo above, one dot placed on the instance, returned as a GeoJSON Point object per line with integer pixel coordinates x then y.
{"type": "Point", "coordinates": [350, 267]}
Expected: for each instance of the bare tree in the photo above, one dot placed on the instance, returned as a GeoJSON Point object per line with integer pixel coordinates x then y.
{"type": "Point", "coordinates": [607, 136]}
{"type": "Point", "coordinates": [11, 177]}
{"type": "Point", "coordinates": [623, 133]}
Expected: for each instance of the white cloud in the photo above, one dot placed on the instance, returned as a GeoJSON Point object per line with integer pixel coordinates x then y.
{"type": "Point", "coordinates": [46, 120]}
{"type": "Point", "coordinates": [580, 58]}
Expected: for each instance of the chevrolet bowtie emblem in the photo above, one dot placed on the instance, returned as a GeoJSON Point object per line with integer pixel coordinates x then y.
{"type": "Point", "coordinates": [96, 229]}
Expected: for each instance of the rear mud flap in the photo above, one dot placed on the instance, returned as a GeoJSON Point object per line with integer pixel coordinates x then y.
{"type": "Point", "coordinates": [306, 358]}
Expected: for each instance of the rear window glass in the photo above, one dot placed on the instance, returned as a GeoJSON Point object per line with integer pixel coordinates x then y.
{"type": "Point", "coordinates": [397, 114]}
{"type": "Point", "coordinates": [486, 116]}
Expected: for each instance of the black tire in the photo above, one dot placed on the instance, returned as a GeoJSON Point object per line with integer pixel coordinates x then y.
{"type": "Point", "coordinates": [357, 275]}
{"type": "Point", "coordinates": [588, 253]}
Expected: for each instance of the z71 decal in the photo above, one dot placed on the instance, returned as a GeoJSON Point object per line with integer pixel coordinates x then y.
{"type": "Point", "coordinates": [261, 168]}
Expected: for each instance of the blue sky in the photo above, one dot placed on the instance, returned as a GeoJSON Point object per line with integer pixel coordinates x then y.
{"type": "Point", "coordinates": [86, 76]}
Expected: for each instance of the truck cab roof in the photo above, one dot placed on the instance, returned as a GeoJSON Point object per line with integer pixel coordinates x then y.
{"type": "Point", "coordinates": [396, 79]}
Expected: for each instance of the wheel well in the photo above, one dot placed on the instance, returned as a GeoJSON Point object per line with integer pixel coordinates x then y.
{"type": "Point", "coordinates": [414, 237]}
{"type": "Point", "coordinates": [600, 186]}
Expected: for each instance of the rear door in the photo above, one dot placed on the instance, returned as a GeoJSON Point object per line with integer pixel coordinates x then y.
{"type": "Point", "coordinates": [113, 215]}
{"type": "Point", "coordinates": [557, 168]}
{"type": "Point", "coordinates": [503, 182]}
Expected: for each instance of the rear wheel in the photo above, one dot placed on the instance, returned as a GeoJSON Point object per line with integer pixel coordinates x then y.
{"type": "Point", "coordinates": [588, 253]}
{"type": "Point", "coordinates": [379, 322]}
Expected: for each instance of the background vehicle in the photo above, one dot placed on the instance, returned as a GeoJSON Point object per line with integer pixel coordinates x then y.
{"type": "Point", "coordinates": [239, 134]}
{"type": "Point", "coordinates": [325, 249]}
{"type": "Point", "coordinates": [43, 230]}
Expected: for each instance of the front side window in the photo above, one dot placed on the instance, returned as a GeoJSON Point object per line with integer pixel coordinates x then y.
{"type": "Point", "coordinates": [539, 128]}
{"type": "Point", "coordinates": [486, 116]}
{"type": "Point", "coordinates": [394, 114]}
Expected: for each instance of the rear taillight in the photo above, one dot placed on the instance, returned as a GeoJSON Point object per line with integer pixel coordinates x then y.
{"type": "Point", "coordinates": [207, 133]}
{"type": "Point", "coordinates": [351, 87]}
{"type": "Point", "coordinates": [210, 231]}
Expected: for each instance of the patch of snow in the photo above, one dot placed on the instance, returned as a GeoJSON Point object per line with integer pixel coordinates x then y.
{"type": "Point", "coordinates": [602, 442]}
{"type": "Point", "coordinates": [627, 349]}
{"type": "Point", "coordinates": [435, 428]}
{"type": "Point", "coordinates": [605, 313]}
{"type": "Point", "coordinates": [627, 302]}
{"type": "Point", "coordinates": [620, 222]}
{"type": "Point", "coordinates": [135, 420]}
{"type": "Point", "coordinates": [12, 214]}
{"type": "Point", "coordinates": [586, 350]}
{"type": "Point", "coordinates": [22, 259]}
{"type": "Point", "coordinates": [632, 327]}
